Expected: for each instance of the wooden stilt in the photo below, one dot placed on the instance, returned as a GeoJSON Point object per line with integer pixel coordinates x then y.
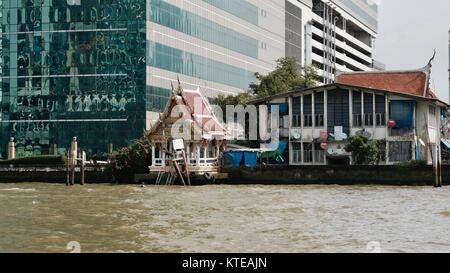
{"type": "Point", "coordinates": [72, 171]}
{"type": "Point", "coordinates": [435, 156]}
{"type": "Point", "coordinates": [186, 169]}
{"type": "Point", "coordinates": [439, 165]}
{"type": "Point", "coordinates": [180, 175]}
{"type": "Point", "coordinates": [82, 167]}
{"type": "Point", "coordinates": [68, 170]}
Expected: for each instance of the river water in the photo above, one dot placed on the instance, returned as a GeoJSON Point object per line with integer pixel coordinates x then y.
{"type": "Point", "coordinates": [39, 217]}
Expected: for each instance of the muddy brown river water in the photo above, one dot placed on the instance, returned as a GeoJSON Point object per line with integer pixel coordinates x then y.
{"type": "Point", "coordinates": [36, 217]}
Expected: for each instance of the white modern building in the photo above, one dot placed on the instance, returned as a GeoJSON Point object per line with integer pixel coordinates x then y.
{"type": "Point", "coordinates": [339, 35]}
{"type": "Point", "coordinates": [217, 46]}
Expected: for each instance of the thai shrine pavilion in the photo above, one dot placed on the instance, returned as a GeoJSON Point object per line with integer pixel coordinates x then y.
{"type": "Point", "coordinates": [187, 140]}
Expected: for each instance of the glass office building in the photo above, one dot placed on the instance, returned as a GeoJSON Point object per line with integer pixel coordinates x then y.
{"type": "Point", "coordinates": [72, 68]}
{"type": "Point", "coordinates": [101, 70]}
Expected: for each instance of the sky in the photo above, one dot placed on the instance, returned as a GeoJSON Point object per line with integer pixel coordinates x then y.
{"type": "Point", "coordinates": [409, 31]}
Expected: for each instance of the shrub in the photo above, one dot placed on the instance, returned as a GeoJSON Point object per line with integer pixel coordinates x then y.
{"type": "Point", "coordinates": [131, 160]}
{"type": "Point", "coordinates": [362, 151]}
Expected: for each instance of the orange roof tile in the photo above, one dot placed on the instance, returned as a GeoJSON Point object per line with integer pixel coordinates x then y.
{"type": "Point", "coordinates": [413, 82]}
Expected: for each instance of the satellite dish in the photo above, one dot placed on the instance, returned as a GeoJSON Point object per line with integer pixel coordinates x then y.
{"type": "Point", "coordinates": [364, 133]}
{"type": "Point", "coordinates": [296, 134]}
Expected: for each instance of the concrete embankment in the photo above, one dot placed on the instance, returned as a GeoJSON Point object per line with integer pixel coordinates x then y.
{"type": "Point", "coordinates": [342, 175]}
{"type": "Point", "coordinates": [271, 175]}
{"type": "Point", "coordinates": [50, 174]}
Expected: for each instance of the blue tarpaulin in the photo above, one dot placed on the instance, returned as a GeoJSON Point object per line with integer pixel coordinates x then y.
{"type": "Point", "coordinates": [250, 159]}
{"type": "Point", "coordinates": [233, 159]}
{"type": "Point", "coordinates": [446, 143]}
{"type": "Point", "coordinates": [282, 107]}
{"type": "Point", "coordinates": [402, 111]}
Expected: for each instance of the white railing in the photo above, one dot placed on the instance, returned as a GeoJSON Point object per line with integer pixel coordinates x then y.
{"type": "Point", "coordinates": [202, 162]}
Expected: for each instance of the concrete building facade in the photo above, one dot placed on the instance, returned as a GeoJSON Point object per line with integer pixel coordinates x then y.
{"type": "Point", "coordinates": [395, 109]}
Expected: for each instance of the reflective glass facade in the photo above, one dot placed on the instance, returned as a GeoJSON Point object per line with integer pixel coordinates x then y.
{"type": "Point", "coordinates": [239, 8]}
{"type": "Point", "coordinates": [191, 24]}
{"type": "Point", "coordinates": [186, 63]}
{"type": "Point", "coordinates": [72, 68]}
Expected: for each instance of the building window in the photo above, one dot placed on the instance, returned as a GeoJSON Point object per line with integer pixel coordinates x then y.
{"type": "Point", "coordinates": [319, 154]}
{"type": "Point", "coordinates": [381, 145]}
{"type": "Point", "coordinates": [402, 111]}
{"type": "Point", "coordinates": [307, 152]}
{"type": "Point", "coordinates": [263, 45]}
{"type": "Point", "coordinates": [357, 111]}
{"type": "Point", "coordinates": [296, 153]}
{"type": "Point", "coordinates": [319, 109]}
{"type": "Point", "coordinates": [296, 112]}
{"type": "Point", "coordinates": [432, 117]}
{"type": "Point", "coordinates": [263, 13]}
{"type": "Point", "coordinates": [368, 109]}
{"type": "Point", "coordinates": [307, 111]}
{"type": "Point", "coordinates": [400, 151]}
{"type": "Point", "coordinates": [380, 110]}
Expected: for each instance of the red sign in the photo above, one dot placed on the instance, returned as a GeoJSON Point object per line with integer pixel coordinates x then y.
{"type": "Point", "coordinates": [392, 123]}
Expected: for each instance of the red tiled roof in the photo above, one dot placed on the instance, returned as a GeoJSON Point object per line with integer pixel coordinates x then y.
{"type": "Point", "coordinates": [201, 111]}
{"type": "Point", "coordinates": [196, 109]}
{"type": "Point", "coordinates": [408, 82]}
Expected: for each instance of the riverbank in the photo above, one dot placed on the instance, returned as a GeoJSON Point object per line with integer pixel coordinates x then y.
{"type": "Point", "coordinates": [270, 175]}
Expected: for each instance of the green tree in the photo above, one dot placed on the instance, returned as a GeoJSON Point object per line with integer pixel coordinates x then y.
{"type": "Point", "coordinates": [362, 151]}
{"type": "Point", "coordinates": [287, 76]}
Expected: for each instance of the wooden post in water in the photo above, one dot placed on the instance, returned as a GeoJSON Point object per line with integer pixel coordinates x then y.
{"type": "Point", "coordinates": [68, 169]}
{"type": "Point", "coordinates": [439, 164]}
{"type": "Point", "coordinates": [435, 159]}
{"type": "Point", "coordinates": [54, 149]}
{"type": "Point", "coordinates": [11, 149]}
{"type": "Point", "coordinates": [83, 157]}
{"type": "Point", "coordinates": [73, 152]}
{"type": "Point", "coordinates": [110, 150]}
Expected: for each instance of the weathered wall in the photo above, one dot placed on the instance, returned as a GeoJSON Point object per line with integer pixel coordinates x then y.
{"type": "Point", "coordinates": [291, 175]}
{"type": "Point", "coordinates": [343, 175]}
{"type": "Point", "coordinates": [50, 175]}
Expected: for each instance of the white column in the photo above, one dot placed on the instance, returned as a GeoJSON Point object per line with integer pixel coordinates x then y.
{"type": "Point", "coordinates": [302, 126]}
{"type": "Point", "coordinates": [350, 107]}
{"type": "Point", "coordinates": [290, 104]}
{"type": "Point", "coordinates": [363, 111]}
{"type": "Point", "coordinates": [198, 155]}
{"type": "Point", "coordinates": [153, 155]}
{"type": "Point", "coordinates": [73, 150]}
{"type": "Point", "coordinates": [374, 119]}
{"type": "Point", "coordinates": [325, 116]}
